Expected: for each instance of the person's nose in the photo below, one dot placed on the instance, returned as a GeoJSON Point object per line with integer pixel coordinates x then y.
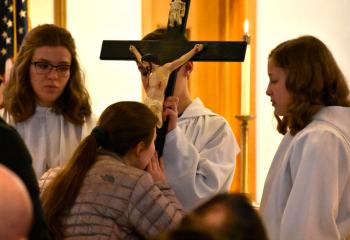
{"type": "Point", "coordinates": [53, 73]}
{"type": "Point", "coordinates": [268, 91]}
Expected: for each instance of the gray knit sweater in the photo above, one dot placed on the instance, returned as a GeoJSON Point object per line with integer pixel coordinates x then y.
{"type": "Point", "coordinates": [118, 201]}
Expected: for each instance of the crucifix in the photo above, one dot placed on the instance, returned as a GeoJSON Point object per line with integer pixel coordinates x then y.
{"type": "Point", "coordinates": [172, 47]}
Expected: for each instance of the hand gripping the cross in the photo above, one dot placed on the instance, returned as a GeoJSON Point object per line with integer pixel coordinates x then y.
{"type": "Point", "coordinates": [158, 75]}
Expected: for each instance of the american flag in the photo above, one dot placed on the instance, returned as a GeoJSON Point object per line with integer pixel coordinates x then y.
{"type": "Point", "coordinates": [13, 27]}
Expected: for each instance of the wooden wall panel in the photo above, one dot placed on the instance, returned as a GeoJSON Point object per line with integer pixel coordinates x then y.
{"type": "Point", "coordinates": [60, 13]}
{"type": "Point", "coordinates": [217, 84]}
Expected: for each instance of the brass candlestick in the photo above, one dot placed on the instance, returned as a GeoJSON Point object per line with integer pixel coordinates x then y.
{"type": "Point", "coordinates": [244, 150]}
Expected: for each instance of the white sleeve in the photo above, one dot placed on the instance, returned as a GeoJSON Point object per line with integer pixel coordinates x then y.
{"type": "Point", "coordinates": [200, 162]}
{"type": "Point", "coordinates": [319, 170]}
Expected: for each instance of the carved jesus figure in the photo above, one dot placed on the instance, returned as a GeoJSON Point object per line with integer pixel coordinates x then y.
{"type": "Point", "coordinates": [158, 76]}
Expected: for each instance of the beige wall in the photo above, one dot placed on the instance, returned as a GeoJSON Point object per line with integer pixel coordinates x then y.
{"type": "Point", "coordinates": [107, 81]}
{"type": "Point", "coordinates": [40, 11]}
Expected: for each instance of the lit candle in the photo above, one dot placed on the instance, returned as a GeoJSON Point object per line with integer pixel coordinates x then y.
{"type": "Point", "coordinates": [245, 74]}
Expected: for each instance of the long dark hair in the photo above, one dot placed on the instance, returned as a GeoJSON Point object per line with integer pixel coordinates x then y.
{"type": "Point", "coordinates": [120, 128]}
{"type": "Point", "coordinates": [314, 80]}
{"type": "Point", "coordinates": [19, 97]}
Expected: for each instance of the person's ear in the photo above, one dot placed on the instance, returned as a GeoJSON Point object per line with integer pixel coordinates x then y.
{"type": "Point", "coordinates": [139, 148]}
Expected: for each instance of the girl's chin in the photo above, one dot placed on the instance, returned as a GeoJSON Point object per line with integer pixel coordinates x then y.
{"type": "Point", "coordinates": [280, 114]}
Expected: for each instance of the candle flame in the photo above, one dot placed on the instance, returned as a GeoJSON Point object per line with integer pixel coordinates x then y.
{"type": "Point", "coordinates": [246, 26]}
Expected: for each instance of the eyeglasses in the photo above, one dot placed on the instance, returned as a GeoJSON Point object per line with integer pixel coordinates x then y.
{"type": "Point", "coordinates": [45, 67]}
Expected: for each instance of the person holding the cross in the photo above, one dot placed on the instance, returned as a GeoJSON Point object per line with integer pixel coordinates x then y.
{"type": "Point", "coordinates": [200, 150]}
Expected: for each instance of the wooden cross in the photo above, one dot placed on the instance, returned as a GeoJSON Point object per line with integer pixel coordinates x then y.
{"type": "Point", "coordinates": [172, 47]}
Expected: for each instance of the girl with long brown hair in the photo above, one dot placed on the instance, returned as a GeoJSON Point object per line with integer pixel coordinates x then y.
{"type": "Point", "coordinates": [114, 187]}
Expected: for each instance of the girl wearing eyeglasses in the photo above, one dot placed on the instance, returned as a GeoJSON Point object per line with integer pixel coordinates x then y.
{"type": "Point", "coordinates": [45, 99]}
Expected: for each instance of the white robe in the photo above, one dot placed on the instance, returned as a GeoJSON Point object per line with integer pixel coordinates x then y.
{"type": "Point", "coordinates": [307, 190]}
{"type": "Point", "coordinates": [199, 155]}
{"type": "Point", "coordinates": [50, 139]}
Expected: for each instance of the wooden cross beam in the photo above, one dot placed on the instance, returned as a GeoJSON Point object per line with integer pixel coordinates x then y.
{"type": "Point", "coordinates": [172, 47]}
